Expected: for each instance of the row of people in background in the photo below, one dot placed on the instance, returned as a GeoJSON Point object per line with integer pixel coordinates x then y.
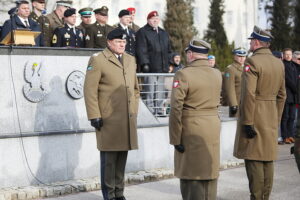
{"type": "Point", "coordinates": [57, 28]}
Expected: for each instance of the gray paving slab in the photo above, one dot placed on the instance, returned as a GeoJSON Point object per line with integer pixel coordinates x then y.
{"type": "Point", "coordinates": [232, 185]}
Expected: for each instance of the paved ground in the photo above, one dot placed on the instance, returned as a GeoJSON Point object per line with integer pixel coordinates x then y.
{"type": "Point", "coordinates": [232, 185]}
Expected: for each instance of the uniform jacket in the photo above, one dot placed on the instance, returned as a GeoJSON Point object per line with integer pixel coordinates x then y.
{"type": "Point", "coordinates": [130, 41]}
{"type": "Point", "coordinates": [96, 35]}
{"type": "Point", "coordinates": [65, 37]}
{"type": "Point", "coordinates": [44, 24]}
{"type": "Point", "coordinates": [291, 78]}
{"type": "Point", "coordinates": [111, 92]}
{"type": "Point", "coordinates": [262, 100]}
{"type": "Point", "coordinates": [17, 24]}
{"type": "Point", "coordinates": [55, 22]}
{"type": "Point", "coordinates": [232, 81]}
{"type": "Point", "coordinates": [194, 121]}
{"type": "Point", "coordinates": [153, 48]}
{"type": "Point", "coordinates": [83, 27]}
{"type": "Point", "coordinates": [134, 27]}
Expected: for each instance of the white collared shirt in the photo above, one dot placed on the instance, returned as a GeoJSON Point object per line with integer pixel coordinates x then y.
{"type": "Point", "coordinates": [23, 21]}
{"type": "Point", "coordinates": [125, 28]}
{"type": "Point", "coordinates": [74, 30]}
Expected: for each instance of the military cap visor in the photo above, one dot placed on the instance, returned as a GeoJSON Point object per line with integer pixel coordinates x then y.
{"type": "Point", "coordinates": [102, 11]}
{"type": "Point", "coordinates": [198, 46]}
{"type": "Point", "coordinates": [260, 34]}
{"type": "Point", "coordinates": [117, 33]}
{"type": "Point", "coordinates": [64, 3]}
{"type": "Point", "coordinates": [40, 1]}
{"type": "Point", "coordinates": [86, 12]}
{"type": "Point", "coordinates": [240, 52]}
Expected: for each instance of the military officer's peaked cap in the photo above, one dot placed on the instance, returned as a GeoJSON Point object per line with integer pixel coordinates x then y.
{"type": "Point", "coordinates": [64, 3]}
{"type": "Point", "coordinates": [40, 1]}
{"type": "Point", "coordinates": [152, 14]}
{"type": "Point", "coordinates": [69, 12]}
{"type": "Point", "coordinates": [131, 10]}
{"type": "Point", "coordinates": [260, 34]}
{"type": "Point", "coordinates": [198, 46]}
{"type": "Point", "coordinates": [86, 12]}
{"type": "Point", "coordinates": [240, 52]}
{"type": "Point", "coordinates": [117, 33]}
{"type": "Point", "coordinates": [123, 13]}
{"type": "Point", "coordinates": [102, 11]}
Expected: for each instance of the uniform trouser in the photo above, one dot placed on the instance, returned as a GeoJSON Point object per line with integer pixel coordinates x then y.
{"type": "Point", "coordinates": [112, 173]}
{"type": "Point", "coordinates": [198, 189]}
{"type": "Point", "coordinates": [260, 176]}
{"type": "Point", "coordinates": [155, 95]}
{"type": "Point", "coordinates": [287, 120]}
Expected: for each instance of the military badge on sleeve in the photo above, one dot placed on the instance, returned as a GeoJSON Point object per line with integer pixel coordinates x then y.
{"type": "Point", "coordinates": [227, 75]}
{"type": "Point", "coordinates": [175, 84]}
{"type": "Point", "coordinates": [54, 39]}
{"type": "Point", "coordinates": [247, 68]}
{"type": "Point", "coordinates": [89, 68]}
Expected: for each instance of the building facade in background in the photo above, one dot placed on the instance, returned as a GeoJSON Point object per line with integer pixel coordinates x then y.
{"type": "Point", "coordinates": [239, 18]}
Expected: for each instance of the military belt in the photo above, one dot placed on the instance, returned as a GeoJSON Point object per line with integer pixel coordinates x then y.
{"type": "Point", "coordinates": [200, 112]}
{"type": "Point", "coordinates": [266, 97]}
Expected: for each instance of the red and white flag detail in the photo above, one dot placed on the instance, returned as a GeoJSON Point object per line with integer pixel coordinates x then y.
{"type": "Point", "coordinates": [175, 84]}
{"type": "Point", "coordinates": [247, 68]}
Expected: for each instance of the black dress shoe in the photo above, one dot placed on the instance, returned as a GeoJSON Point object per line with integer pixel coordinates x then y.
{"type": "Point", "coordinates": [120, 198]}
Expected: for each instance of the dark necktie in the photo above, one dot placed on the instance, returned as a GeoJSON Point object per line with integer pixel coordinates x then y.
{"type": "Point", "coordinates": [120, 59]}
{"type": "Point", "coordinates": [26, 24]}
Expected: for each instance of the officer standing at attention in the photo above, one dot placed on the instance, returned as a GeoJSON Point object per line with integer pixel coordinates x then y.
{"type": "Point", "coordinates": [96, 33]}
{"type": "Point", "coordinates": [262, 100]}
{"type": "Point", "coordinates": [232, 80]}
{"type": "Point", "coordinates": [37, 15]}
{"type": "Point", "coordinates": [69, 35]}
{"type": "Point", "coordinates": [111, 95]}
{"type": "Point", "coordinates": [132, 25]}
{"type": "Point", "coordinates": [56, 17]}
{"type": "Point", "coordinates": [86, 18]}
{"type": "Point", "coordinates": [124, 16]}
{"type": "Point", "coordinates": [194, 124]}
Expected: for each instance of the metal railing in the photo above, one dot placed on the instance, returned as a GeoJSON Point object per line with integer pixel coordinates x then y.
{"type": "Point", "coordinates": [155, 90]}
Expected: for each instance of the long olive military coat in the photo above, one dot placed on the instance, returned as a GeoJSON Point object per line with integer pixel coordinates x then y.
{"type": "Point", "coordinates": [233, 76]}
{"type": "Point", "coordinates": [262, 100]}
{"type": "Point", "coordinates": [111, 92]}
{"type": "Point", "coordinates": [194, 121]}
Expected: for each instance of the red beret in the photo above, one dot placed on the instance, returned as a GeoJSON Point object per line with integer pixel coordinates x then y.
{"type": "Point", "coordinates": [131, 10]}
{"type": "Point", "coordinates": [152, 14]}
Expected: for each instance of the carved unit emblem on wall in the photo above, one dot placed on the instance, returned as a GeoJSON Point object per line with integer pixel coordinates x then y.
{"type": "Point", "coordinates": [34, 90]}
{"type": "Point", "coordinates": [75, 83]}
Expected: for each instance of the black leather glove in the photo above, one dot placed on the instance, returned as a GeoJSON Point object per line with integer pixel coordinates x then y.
{"type": "Point", "coordinates": [179, 148]}
{"type": "Point", "coordinates": [249, 130]}
{"type": "Point", "coordinates": [97, 123]}
{"type": "Point", "coordinates": [145, 68]}
{"type": "Point", "coordinates": [233, 110]}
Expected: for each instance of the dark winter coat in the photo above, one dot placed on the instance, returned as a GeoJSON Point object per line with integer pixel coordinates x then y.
{"type": "Point", "coordinates": [291, 78]}
{"type": "Point", "coordinates": [153, 48]}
